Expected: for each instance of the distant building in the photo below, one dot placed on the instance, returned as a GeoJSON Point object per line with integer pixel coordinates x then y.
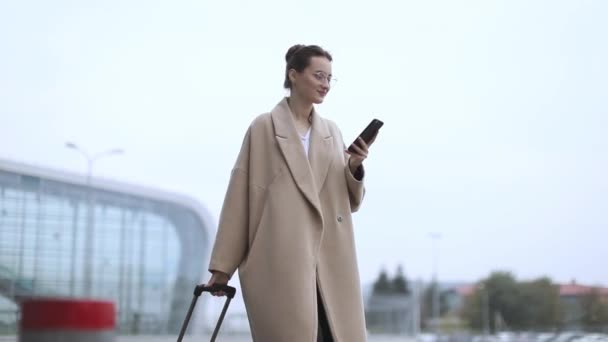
{"type": "Point", "coordinates": [573, 290]}
{"type": "Point", "coordinates": [391, 314]}
{"type": "Point", "coordinates": [143, 249]}
{"type": "Point", "coordinates": [571, 299]}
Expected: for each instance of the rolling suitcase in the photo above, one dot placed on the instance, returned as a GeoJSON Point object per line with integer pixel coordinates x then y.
{"type": "Point", "coordinates": [230, 292]}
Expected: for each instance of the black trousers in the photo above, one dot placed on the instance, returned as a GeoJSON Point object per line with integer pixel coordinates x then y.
{"type": "Point", "coordinates": [324, 332]}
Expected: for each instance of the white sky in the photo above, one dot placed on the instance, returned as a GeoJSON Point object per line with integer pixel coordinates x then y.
{"type": "Point", "coordinates": [495, 113]}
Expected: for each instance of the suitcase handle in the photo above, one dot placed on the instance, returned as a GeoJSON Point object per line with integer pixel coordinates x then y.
{"type": "Point", "coordinates": [229, 290]}
{"type": "Point", "coordinates": [198, 290]}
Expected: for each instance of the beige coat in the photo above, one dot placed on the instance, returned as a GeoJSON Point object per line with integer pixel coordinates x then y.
{"type": "Point", "coordinates": [286, 225]}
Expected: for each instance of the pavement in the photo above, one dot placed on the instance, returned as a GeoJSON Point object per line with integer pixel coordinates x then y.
{"type": "Point", "coordinates": [241, 338]}
{"type": "Point", "coordinates": [220, 338]}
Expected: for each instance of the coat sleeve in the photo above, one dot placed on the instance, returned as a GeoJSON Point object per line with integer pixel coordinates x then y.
{"type": "Point", "coordinates": [356, 188]}
{"type": "Point", "coordinates": [231, 240]}
{"type": "Point", "coordinates": [354, 183]}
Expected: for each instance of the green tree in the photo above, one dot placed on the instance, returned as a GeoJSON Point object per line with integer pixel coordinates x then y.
{"type": "Point", "coordinates": [400, 283]}
{"type": "Point", "coordinates": [594, 311]}
{"type": "Point", "coordinates": [382, 284]}
{"type": "Point", "coordinates": [520, 305]}
{"type": "Point", "coordinates": [427, 304]}
{"type": "Point", "coordinates": [540, 308]}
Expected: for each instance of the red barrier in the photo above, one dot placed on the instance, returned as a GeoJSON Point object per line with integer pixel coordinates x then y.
{"type": "Point", "coordinates": [67, 320]}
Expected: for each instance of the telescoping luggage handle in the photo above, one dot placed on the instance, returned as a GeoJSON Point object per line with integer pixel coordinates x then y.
{"type": "Point", "coordinates": [198, 290]}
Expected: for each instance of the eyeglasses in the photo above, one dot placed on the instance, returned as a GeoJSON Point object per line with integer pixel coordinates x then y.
{"type": "Point", "coordinates": [321, 76]}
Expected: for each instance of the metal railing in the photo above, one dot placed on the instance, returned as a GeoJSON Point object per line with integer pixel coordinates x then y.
{"type": "Point", "coordinates": [9, 323]}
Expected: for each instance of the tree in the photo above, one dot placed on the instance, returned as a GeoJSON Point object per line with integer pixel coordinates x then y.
{"type": "Point", "coordinates": [427, 303]}
{"type": "Point", "coordinates": [521, 305]}
{"type": "Point", "coordinates": [540, 304]}
{"type": "Point", "coordinates": [496, 295]}
{"type": "Point", "coordinates": [594, 310]}
{"type": "Point", "coordinates": [382, 285]}
{"type": "Point", "coordinates": [400, 283]}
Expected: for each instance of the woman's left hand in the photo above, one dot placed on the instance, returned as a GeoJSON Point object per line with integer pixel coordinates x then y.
{"type": "Point", "coordinates": [361, 152]}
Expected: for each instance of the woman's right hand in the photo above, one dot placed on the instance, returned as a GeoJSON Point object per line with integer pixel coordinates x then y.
{"type": "Point", "coordinates": [218, 278]}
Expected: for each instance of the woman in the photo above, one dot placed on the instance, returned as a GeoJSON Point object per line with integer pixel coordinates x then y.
{"type": "Point", "coordinates": [286, 219]}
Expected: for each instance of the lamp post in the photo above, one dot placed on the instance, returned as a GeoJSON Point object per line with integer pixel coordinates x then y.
{"type": "Point", "coordinates": [57, 237]}
{"type": "Point", "coordinates": [435, 295]}
{"type": "Point", "coordinates": [485, 309]}
{"type": "Point", "coordinates": [89, 236]}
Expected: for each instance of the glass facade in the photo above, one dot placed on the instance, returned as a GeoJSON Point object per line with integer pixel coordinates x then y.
{"type": "Point", "coordinates": [60, 238]}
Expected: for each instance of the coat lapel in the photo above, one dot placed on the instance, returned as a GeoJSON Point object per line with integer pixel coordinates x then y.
{"type": "Point", "coordinates": [309, 177]}
{"type": "Point", "coordinates": [320, 151]}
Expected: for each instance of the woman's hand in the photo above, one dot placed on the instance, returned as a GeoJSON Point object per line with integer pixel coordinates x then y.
{"type": "Point", "coordinates": [361, 152]}
{"type": "Point", "coordinates": [218, 278]}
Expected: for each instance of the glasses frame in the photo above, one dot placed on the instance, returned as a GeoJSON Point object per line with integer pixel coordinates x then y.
{"type": "Point", "coordinates": [322, 76]}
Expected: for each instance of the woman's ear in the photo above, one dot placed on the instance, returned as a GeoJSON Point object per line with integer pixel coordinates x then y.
{"type": "Point", "coordinates": [292, 74]}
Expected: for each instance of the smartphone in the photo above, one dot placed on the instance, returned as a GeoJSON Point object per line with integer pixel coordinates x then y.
{"type": "Point", "coordinates": [368, 133]}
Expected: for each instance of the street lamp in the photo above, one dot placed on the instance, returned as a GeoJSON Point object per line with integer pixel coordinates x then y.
{"type": "Point", "coordinates": [88, 256]}
{"type": "Point", "coordinates": [485, 309]}
{"type": "Point", "coordinates": [435, 299]}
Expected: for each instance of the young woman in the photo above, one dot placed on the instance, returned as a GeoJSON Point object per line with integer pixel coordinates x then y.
{"type": "Point", "coordinates": [286, 219]}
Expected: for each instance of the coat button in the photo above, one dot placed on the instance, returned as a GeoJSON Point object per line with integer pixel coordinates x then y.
{"type": "Point", "coordinates": [339, 218]}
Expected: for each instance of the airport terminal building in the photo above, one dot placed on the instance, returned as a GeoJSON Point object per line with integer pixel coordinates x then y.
{"type": "Point", "coordinates": [62, 236]}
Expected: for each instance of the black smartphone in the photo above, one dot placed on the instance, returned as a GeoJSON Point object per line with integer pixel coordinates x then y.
{"type": "Point", "coordinates": [368, 133]}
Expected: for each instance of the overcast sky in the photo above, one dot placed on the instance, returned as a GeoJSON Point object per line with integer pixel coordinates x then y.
{"type": "Point", "coordinates": [495, 113]}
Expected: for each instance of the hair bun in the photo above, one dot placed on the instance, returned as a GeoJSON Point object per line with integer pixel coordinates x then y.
{"type": "Point", "coordinates": [292, 51]}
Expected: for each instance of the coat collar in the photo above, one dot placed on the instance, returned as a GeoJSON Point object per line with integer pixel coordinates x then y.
{"type": "Point", "coordinates": [309, 174]}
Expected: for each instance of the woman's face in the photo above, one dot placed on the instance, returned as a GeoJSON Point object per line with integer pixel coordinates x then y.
{"type": "Point", "coordinates": [312, 84]}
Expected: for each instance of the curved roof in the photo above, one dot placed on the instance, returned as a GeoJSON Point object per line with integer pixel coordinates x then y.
{"type": "Point", "coordinates": [110, 185]}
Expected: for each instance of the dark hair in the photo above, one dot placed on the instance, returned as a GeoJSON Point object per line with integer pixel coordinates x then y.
{"type": "Point", "coordinates": [298, 58]}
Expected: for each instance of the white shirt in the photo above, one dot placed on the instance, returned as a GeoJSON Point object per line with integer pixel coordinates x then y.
{"type": "Point", "coordinates": [306, 141]}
